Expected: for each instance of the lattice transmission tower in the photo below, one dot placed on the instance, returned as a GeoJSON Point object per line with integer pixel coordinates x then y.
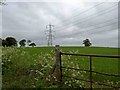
{"type": "Point", "coordinates": [49, 34]}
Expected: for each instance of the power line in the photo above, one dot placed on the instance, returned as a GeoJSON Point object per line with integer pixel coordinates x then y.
{"type": "Point", "coordinates": [103, 31]}
{"type": "Point", "coordinates": [98, 14]}
{"type": "Point", "coordinates": [84, 11]}
{"type": "Point", "coordinates": [87, 10]}
{"type": "Point", "coordinates": [89, 18]}
{"type": "Point", "coordinates": [102, 22]}
{"type": "Point", "coordinates": [92, 16]}
{"type": "Point", "coordinates": [108, 21]}
{"type": "Point", "coordinates": [99, 27]}
{"type": "Point", "coordinates": [49, 33]}
{"type": "Point", "coordinates": [85, 32]}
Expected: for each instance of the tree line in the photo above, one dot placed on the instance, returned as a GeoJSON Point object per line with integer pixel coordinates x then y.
{"type": "Point", "coordinates": [11, 41]}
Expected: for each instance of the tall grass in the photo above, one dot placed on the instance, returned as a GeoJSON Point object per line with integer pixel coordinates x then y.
{"type": "Point", "coordinates": [30, 67]}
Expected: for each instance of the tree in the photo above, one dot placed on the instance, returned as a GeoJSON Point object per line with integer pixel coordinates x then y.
{"type": "Point", "coordinates": [0, 41]}
{"type": "Point", "coordinates": [22, 43]}
{"type": "Point", "coordinates": [32, 44]}
{"type": "Point", "coordinates": [10, 41]}
{"type": "Point", "coordinates": [28, 42]}
{"type": "Point", "coordinates": [86, 42]}
{"type": "Point", "coordinates": [4, 43]}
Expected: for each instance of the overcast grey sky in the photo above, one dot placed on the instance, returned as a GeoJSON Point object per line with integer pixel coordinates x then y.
{"type": "Point", "coordinates": [73, 22]}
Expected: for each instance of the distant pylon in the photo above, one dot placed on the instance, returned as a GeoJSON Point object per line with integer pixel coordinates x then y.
{"type": "Point", "coordinates": [49, 34]}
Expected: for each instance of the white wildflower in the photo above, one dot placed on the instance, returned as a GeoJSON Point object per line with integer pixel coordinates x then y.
{"type": "Point", "coordinates": [9, 60]}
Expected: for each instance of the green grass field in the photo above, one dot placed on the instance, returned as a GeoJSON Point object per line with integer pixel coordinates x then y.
{"type": "Point", "coordinates": [30, 67]}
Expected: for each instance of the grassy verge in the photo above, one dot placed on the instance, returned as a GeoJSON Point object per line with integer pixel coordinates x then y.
{"type": "Point", "coordinates": [30, 67]}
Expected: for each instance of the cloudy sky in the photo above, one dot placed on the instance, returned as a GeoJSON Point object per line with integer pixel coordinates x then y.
{"type": "Point", "coordinates": [73, 22]}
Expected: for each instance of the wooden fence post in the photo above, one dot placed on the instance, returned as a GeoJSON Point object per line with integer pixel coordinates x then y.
{"type": "Point", "coordinates": [58, 68]}
{"type": "Point", "coordinates": [91, 72]}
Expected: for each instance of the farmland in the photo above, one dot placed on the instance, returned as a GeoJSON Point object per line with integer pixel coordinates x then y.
{"type": "Point", "coordinates": [30, 67]}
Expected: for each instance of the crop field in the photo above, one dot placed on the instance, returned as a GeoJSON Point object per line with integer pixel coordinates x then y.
{"type": "Point", "coordinates": [30, 67]}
